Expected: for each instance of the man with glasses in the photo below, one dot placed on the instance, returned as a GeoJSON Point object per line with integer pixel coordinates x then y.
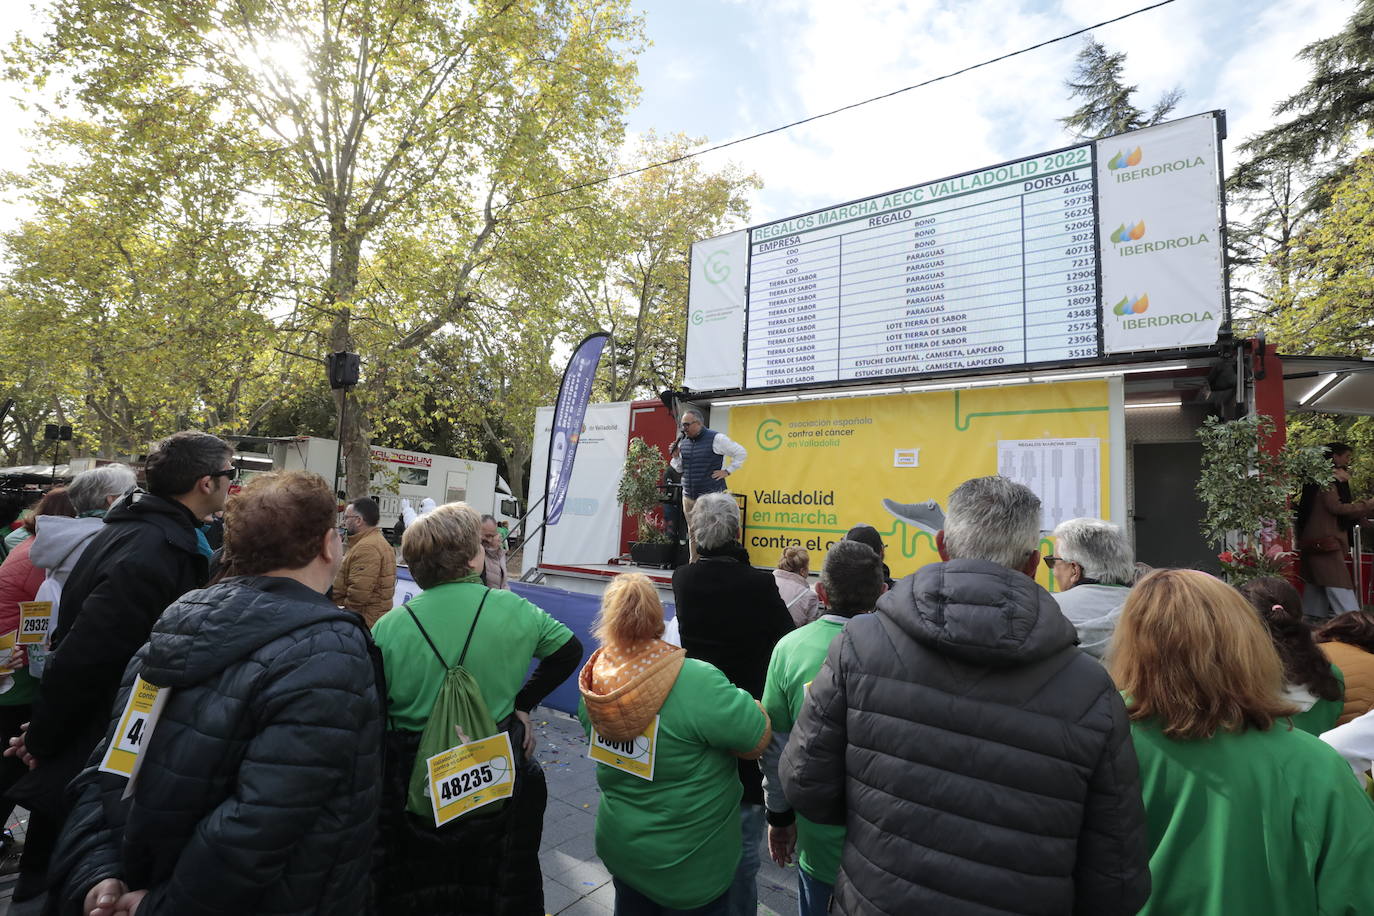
{"type": "Point", "coordinates": [150, 552]}
{"type": "Point", "coordinates": [701, 454]}
{"type": "Point", "coordinates": [1093, 570]}
{"type": "Point", "coordinates": [978, 760]}
{"type": "Point", "coordinates": [366, 583]}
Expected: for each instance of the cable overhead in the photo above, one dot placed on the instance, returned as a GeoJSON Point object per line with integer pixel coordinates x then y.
{"type": "Point", "coordinates": [834, 111]}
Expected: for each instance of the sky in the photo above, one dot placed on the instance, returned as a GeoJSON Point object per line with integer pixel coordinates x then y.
{"type": "Point", "coordinates": [728, 68]}
{"type": "Point", "coordinates": [724, 69]}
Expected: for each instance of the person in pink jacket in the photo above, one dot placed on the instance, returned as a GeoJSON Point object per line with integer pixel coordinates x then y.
{"type": "Point", "coordinates": [794, 587]}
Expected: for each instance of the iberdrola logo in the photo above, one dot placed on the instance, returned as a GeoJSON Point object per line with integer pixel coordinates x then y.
{"type": "Point", "coordinates": [1126, 233]}
{"type": "Point", "coordinates": [1125, 160]}
{"type": "Point", "coordinates": [1129, 306]}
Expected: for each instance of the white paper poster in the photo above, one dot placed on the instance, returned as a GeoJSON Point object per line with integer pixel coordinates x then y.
{"type": "Point", "coordinates": [1159, 222]}
{"type": "Point", "coordinates": [1062, 472]}
{"type": "Point", "coordinates": [589, 529]}
{"type": "Point", "coordinates": [715, 313]}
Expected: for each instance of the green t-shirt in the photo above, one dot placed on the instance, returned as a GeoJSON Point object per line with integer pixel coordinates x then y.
{"type": "Point", "coordinates": [510, 633]}
{"type": "Point", "coordinates": [677, 839]}
{"type": "Point", "coordinates": [1322, 715]}
{"type": "Point", "coordinates": [796, 659]}
{"type": "Point", "coordinates": [1264, 823]}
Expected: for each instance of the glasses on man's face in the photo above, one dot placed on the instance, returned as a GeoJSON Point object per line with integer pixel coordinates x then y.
{"type": "Point", "coordinates": [231, 473]}
{"type": "Point", "coordinates": [1050, 560]}
{"type": "Point", "coordinates": [688, 424]}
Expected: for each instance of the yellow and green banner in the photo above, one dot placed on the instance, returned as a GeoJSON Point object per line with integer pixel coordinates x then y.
{"type": "Point", "coordinates": [816, 468]}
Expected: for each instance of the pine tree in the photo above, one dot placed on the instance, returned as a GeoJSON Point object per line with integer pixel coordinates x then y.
{"type": "Point", "coordinates": [1107, 107]}
{"type": "Point", "coordinates": [1337, 101]}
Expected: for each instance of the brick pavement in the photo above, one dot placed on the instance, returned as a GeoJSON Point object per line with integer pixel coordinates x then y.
{"type": "Point", "coordinates": [575, 883]}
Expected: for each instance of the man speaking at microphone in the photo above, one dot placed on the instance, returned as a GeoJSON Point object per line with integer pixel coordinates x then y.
{"type": "Point", "coordinates": [700, 454]}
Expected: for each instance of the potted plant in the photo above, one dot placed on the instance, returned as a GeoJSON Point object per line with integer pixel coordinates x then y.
{"type": "Point", "coordinates": [1246, 492]}
{"type": "Point", "coordinates": [639, 494]}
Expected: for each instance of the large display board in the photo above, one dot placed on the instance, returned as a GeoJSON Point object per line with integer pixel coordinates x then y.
{"type": "Point", "coordinates": [994, 268]}
{"type": "Point", "coordinates": [1108, 247]}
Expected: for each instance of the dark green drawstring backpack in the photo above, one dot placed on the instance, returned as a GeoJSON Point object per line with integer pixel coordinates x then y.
{"type": "Point", "coordinates": [458, 709]}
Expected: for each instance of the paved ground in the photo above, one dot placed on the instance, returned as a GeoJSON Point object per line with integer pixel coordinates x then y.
{"type": "Point", "coordinates": [575, 883]}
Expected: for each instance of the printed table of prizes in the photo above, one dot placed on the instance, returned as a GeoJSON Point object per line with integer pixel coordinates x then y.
{"type": "Point", "coordinates": [1000, 274]}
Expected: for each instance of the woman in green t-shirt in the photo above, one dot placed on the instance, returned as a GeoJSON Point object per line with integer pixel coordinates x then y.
{"type": "Point", "coordinates": [487, 859]}
{"type": "Point", "coordinates": [1246, 814]}
{"type": "Point", "coordinates": [665, 731]}
{"type": "Point", "coordinates": [1310, 681]}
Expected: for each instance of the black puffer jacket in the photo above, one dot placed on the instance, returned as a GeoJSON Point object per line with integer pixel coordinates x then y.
{"type": "Point", "coordinates": [259, 786]}
{"type": "Point", "coordinates": [982, 764]}
{"type": "Point", "coordinates": [144, 558]}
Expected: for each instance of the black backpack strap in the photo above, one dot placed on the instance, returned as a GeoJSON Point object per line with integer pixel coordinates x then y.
{"type": "Point", "coordinates": [462, 658]}
{"type": "Point", "coordinates": [435, 649]}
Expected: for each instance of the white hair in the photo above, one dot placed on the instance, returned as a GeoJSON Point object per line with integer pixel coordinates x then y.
{"type": "Point", "coordinates": [994, 519]}
{"type": "Point", "coordinates": [90, 490]}
{"type": "Point", "coordinates": [715, 520]}
{"type": "Point", "coordinates": [1099, 547]}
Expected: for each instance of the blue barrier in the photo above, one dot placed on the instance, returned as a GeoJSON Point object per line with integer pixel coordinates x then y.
{"type": "Point", "coordinates": [574, 610]}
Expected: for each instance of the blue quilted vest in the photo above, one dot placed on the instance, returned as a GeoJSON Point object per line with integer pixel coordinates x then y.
{"type": "Point", "coordinates": [698, 461]}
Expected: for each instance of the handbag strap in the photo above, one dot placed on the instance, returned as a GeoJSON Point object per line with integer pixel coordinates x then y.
{"type": "Point", "coordinates": [435, 649]}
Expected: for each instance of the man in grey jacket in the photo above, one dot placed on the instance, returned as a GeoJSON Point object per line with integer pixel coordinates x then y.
{"type": "Point", "coordinates": [980, 762]}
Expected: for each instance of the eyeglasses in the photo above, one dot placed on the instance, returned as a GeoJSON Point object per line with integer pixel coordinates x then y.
{"type": "Point", "coordinates": [688, 424]}
{"type": "Point", "coordinates": [231, 473]}
{"type": "Point", "coordinates": [1050, 560]}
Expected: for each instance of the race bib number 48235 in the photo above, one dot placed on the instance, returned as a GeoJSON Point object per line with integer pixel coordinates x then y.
{"type": "Point", "coordinates": [469, 776]}
{"type": "Point", "coordinates": [635, 755]}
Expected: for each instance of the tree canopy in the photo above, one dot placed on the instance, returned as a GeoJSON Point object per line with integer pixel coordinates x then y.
{"type": "Point", "coordinates": [237, 188]}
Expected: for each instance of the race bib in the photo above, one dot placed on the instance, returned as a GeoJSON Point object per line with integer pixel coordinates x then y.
{"type": "Point", "coordinates": [635, 756]}
{"type": "Point", "coordinates": [35, 622]}
{"type": "Point", "coordinates": [136, 725]}
{"type": "Point", "coordinates": [471, 775]}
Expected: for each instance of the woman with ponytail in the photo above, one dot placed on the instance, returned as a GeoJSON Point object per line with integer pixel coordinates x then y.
{"type": "Point", "coordinates": [1347, 640]}
{"type": "Point", "coordinates": [1311, 682]}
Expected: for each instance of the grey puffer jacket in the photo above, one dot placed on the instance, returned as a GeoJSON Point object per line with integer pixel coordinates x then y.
{"type": "Point", "coordinates": [981, 763]}
{"type": "Point", "coordinates": [259, 786]}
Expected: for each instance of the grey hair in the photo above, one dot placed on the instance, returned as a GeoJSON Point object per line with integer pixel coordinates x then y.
{"type": "Point", "coordinates": [90, 490]}
{"type": "Point", "coordinates": [691, 412]}
{"type": "Point", "coordinates": [1099, 547]}
{"type": "Point", "coordinates": [715, 520]}
{"type": "Point", "coordinates": [994, 519]}
{"type": "Point", "coordinates": [852, 578]}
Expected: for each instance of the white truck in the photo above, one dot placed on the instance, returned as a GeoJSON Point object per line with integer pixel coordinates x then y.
{"type": "Point", "coordinates": [399, 475]}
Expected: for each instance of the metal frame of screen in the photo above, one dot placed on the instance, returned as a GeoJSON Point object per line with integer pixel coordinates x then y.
{"type": "Point", "coordinates": [1090, 146]}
